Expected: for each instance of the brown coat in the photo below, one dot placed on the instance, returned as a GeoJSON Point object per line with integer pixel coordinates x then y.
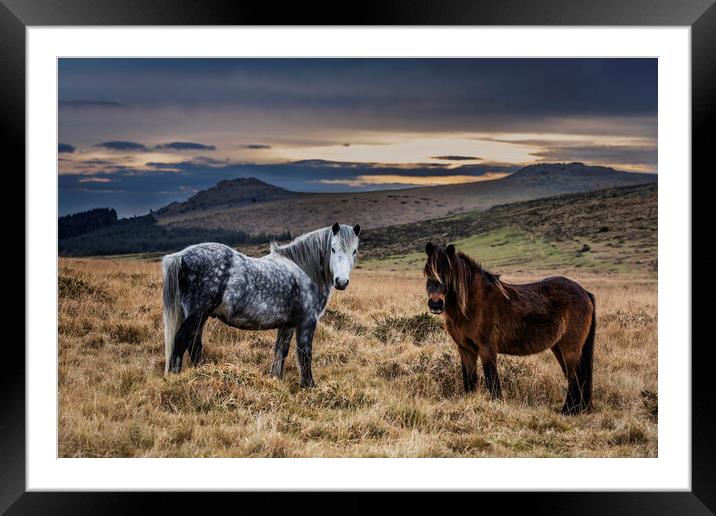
{"type": "Point", "coordinates": [486, 316]}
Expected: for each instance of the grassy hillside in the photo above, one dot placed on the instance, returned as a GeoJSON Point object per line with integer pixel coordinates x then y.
{"type": "Point", "coordinates": [611, 230]}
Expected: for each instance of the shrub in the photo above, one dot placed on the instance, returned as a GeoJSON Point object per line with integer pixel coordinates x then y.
{"type": "Point", "coordinates": [417, 327]}
{"type": "Point", "coordinates": [75, 288]}
{"type": "Point", "coordinates": [650, 400]}
{"type": "Point", "coordinates": [341, 321]}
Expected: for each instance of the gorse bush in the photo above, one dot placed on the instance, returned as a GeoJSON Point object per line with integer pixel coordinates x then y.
{"type": "Point", "coordinates": [341, 321]}
{"type": "Point", "coordinates": [418, 327]}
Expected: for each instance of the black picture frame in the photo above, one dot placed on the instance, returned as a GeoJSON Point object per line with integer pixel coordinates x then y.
{"type": "Point", "coordinates": [17, 15]}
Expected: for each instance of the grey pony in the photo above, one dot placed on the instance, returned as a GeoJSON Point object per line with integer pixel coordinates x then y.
{"type": "Point", "coordinates": [287, 289]}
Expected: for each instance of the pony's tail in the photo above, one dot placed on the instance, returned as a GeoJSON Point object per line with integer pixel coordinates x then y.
{"type": "Point", "coordinates": [585, 362]}
{"type": "Point", "coordinates": [173, 315]}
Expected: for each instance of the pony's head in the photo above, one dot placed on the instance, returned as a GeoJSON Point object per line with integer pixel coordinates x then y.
{"type": "Point", "coordinates": [447, 276]}
{"type": "Point", "coordinates": [344, 250]}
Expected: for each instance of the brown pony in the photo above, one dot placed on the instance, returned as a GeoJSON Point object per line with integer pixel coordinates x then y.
{"type": "Point", "coordinates": [486, 316]}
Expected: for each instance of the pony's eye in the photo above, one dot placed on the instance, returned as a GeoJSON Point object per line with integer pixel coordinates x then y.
{"type": "Point", "coordinates": [355, 251]}
{"type": "Point", "coordinates": [333, 250]}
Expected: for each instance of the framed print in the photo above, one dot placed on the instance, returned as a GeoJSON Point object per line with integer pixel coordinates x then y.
{"type": "Point", "coordinates": [422, 250]}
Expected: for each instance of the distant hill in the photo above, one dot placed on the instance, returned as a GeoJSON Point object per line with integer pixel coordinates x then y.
{"type": "Point", "coordinates": [563, 171]}
{"type": "Point", "coordinates": [251, 206]}
{"type": "Point", "coordinates": [227, 194]}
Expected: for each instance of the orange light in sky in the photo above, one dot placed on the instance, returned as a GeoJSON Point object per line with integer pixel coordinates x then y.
{"type": "Point", "coordinates": [366, 180]}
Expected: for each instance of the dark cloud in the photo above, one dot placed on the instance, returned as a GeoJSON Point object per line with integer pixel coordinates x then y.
{"type": "Point", "coordinates": [185, 146]}
{"type": "Point", "coordinates": [83, 103]}
{"type": "Point", "coordinates": [98, 162]}
{"type": "Point", "coordinates": [160, 165]}
{"type": "Point", "coordinates": [122, 145]}
{"type": "Point", "coordinates": [65, 147]}
{"type": "Point", "coordinates": [332, 164]}
{"type": "Point", "coordinates": [448, 91]}
{"type": "Point", "coordinates": [457, 158]}
{"type": "Point", "coordinates": [198, 161]}
{"type": "Point", "coordinates": [324, 163]}
{"type": "Point", "coordinates": [257, 146]}
{"type": "Point", "coordinates": [92, 163]}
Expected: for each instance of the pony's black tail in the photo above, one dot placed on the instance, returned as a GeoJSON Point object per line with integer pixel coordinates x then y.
{"type": "Point", "coordinates": [173, 315]}
{"type": "Point", "coordinates": [585, 362]}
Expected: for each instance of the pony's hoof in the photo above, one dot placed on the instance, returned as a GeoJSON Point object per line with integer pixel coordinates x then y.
{"type": "Point", "coordinates": [573, 410]}
{"type": "Point", "coordinates": [307, 385]}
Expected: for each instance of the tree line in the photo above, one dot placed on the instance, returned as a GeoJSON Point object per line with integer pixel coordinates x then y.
{"type": "Point", "coordinates": [83, 222]}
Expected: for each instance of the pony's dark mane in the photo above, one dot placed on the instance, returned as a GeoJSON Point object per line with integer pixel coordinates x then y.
{"type": "Point", "coordinates": [478, 267]}
{"type": "Point", "coordinates": [491, 277]}
{"type": "Point", "coordinates": [457, 274]}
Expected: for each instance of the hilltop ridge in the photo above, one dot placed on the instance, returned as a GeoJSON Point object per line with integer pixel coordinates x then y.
{"type": "Point", "coordinates": [228, 193]}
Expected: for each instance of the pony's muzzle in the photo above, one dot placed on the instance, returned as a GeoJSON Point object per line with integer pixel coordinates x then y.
{"type": "Point", "coordinates": [341, 284]}
{"type": "Point", "coordinates": [436, 305]}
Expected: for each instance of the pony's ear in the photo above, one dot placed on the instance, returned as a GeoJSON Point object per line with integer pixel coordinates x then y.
{"type": "Point", "coordinates": [429, 248]}
{"type": "Point", "coordinates": [356, 229]}
{"type": "Point", "coordinates": [336, 228]}
{"type": "Point", "coordinates": [450, 250]}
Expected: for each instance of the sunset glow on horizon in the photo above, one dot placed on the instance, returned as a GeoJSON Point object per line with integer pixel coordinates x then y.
{"type": "Point", "coordinates": [365, 180]}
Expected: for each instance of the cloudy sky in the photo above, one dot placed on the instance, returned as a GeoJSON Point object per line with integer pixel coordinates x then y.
{"type": "Point", "coordinates": [136, 134]}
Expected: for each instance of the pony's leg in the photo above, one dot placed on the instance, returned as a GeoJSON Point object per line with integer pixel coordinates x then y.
{"type": "Point", "coordinates": [570, 356]}
{"type": "Point", "coordinates": [196, 346]}
{"type": "Point", "coordinates": [558, 355]}
{"type": "Point", "coordinates": [283, 342]}
{"type": "Point", "coordinates": [489, 367]}
{"type": "Point", "coordinates": [188, 332]}
{"type": "Point", "coordinates": [304, 344]}
{"type": "Point", "coordinates": [468, 358]}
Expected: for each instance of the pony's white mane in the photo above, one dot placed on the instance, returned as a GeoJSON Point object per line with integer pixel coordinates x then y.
{"type": "Point", "coordinates": [312, 251]}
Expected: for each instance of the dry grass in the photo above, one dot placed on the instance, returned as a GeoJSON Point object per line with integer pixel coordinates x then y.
{"type": "Point", "coordinates": [388, 379]}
